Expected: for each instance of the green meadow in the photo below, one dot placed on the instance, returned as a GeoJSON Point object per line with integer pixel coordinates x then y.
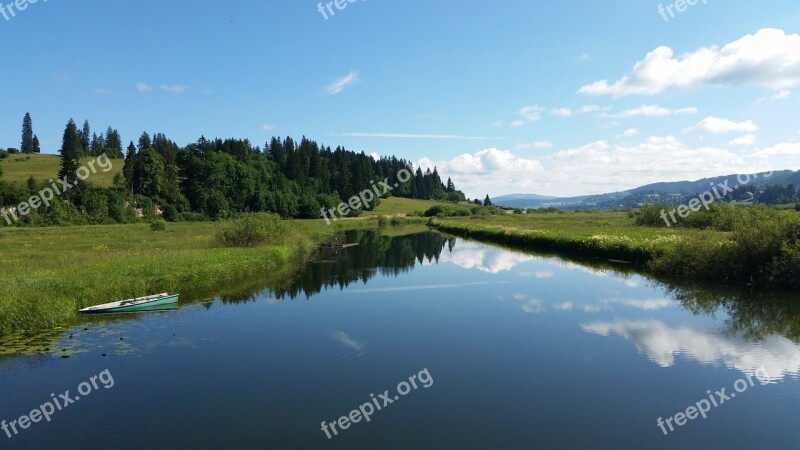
{"type": "Point", "coordinates": [18, 168]}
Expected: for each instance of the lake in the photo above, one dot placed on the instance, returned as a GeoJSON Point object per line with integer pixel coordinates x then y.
{"type": "Point", "coordinates": [441, 342]}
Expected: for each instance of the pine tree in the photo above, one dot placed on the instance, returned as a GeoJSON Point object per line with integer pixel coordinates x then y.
{"type": "Point", "coordinates": [113, 146]}
{"type": "Point", "coordinates": [128, 168]}
{"type": "Point", "coordinates": [70, 152]}
{"type": "Point", "coordinates": [36, 148]}
{"type": "Point", "coordinates": [85, 138]}
{"type": "Point", "coordinates": [487, 201]}
{"type": "Point", "coordinates": [145, 142]}
{"type": "Point", "coordinates": [451, 187]}
{"type": "Point", "coordinates": [27, 134]}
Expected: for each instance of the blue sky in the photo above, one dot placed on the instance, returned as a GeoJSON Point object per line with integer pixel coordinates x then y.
{"type": "Point", "coordinates": [502, 96]}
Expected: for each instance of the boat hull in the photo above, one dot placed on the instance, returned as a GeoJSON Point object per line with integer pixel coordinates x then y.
{"type": "Point", "coordinates": [144, 304]}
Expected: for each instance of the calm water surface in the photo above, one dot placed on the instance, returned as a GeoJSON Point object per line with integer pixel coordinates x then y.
{"type": "Point", "coordinates": [522, 352]}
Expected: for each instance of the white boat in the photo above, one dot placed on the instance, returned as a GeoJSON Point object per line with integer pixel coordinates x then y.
{"type": "Point", "coordinates": [135, 304]}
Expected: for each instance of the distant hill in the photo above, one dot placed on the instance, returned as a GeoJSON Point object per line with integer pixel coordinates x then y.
{"type": "Point", "coordinates": [668, 192]}
{"type": "Point", "coordinates": [18, 168]}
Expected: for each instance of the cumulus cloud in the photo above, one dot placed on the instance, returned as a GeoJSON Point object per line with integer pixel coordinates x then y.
{"type": "Point", "coordinates": [769, 58]}
{"type": "Point", "coordinates": [746, 140]}
{"type": "Point", "coordinates": [786, 149]}
{"type": "Point", "coordinates": [661, 343]}
{"type": "Point", "coordinates": [595, 168]}
{"type": "Point", "coordinates": [471, 256]}
{"type": "Point", "coordinates": [717, 125]}
{"type": "Point", "coordinates": [342, 83]}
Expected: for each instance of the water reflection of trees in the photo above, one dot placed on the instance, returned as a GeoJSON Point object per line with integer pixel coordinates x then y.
{"type": "Point", "coordinates": [375, 255]}
{"type": "Point", "coordinates": [752, 314]}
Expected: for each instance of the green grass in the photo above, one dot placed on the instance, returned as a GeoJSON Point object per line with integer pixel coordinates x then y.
{"type": "Point", "coordinates": [50, 273]}
{"type": "Point", "coordinates": [762, 250]}
{"type": "Point", "coordinates": [18, 168]}
{"type": "Point", "coordinates": [403, 206]}
{"type": "Point", "coordinates": [610, 235]}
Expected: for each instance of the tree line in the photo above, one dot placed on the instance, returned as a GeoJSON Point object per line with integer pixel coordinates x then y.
{"type": "Point", "coordinates": [213, 179]}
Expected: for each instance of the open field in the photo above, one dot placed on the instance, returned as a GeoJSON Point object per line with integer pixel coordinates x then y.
{"type": "Point", "coordinates": [393, 206]}
{"type": "Point", "coordinates": [18, 168]}
{"type": "Point", "coordinates": [50, 273]}
{"type": "Point", "coordinates": [610, 235]}
{"type": "Point", "coordinates": [761, 249]}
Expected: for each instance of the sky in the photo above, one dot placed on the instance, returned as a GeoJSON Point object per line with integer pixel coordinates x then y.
{"type": "Point", "coordinates": [518, 96]}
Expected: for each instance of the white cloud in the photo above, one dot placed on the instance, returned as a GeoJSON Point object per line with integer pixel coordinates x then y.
{"type": "Point", "coordinates": [342, 83]}
{"type": "Point", "coordinates": [143, 87]}
{"type": "Point", "coordinates": [348, 341]}
{"type": "Point", "coordinates": [630, 132]}
{"type": "Point", "coordinates": [584, 57]}
{"type": "Point", "coordinates": [174, 88]}
{"type": "Point", "coordinates": [586, 109]}
{"type": "Point", "coordinates": [594, 168]}
{"type": "Point", "coordinates": [782, 94]}
{"type": "Point", "coordinates": [468, 255]}
{"type": "Point", "coordinates": [529, 114]}
{"type": "Point", "coordinates": [661, 343]}
{"type": "Point", "coordinates": [769, 58]}
{"type": "Point", "coordinates": [563, 112]}
{"type": "Point", "coordinates": [537, 145]}
{"type": "Point", "coordinates": [651, 111]}
{"type": "Point", "coordinates": [566, 306]}
{"type": "Point", "coordinates": [716, 125]}
{"type": "Point", "coordinates": [533, 306]}
{"type": "Point", "coordinates": [267, 127]}
{"type": "Point", "coordinates": [375, 156]}
{"type": "Point", "coordinates": [420, 136]}
{"type": "Point", "coordinates": [745, 140]}
{"type": "Point", "coordinates": [644, 304]}
{"type": "Point", "coordinates": [786, 149]}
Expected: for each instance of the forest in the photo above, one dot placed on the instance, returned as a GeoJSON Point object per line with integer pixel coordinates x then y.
{"type": "Point", "coordinates": [212, 179]}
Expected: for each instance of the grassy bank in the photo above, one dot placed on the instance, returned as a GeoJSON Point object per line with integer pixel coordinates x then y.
{"type": "Point", "coordinates": [50, 273]}
{"type": "Point", "coordinates": [761, 249]}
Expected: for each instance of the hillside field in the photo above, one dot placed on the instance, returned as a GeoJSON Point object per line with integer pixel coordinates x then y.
{"type": "Point", "coordinates": [18, 168]}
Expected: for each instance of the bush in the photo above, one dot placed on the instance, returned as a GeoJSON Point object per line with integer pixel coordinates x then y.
{"type": "Point", "coordinates": [3, 154]}
{"type": "Point", "coordinates": [158, 225]}
{"type": "Point", "coordinates": [251, 230]}
{"type": "Point", "coordinates": [171, 213]}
